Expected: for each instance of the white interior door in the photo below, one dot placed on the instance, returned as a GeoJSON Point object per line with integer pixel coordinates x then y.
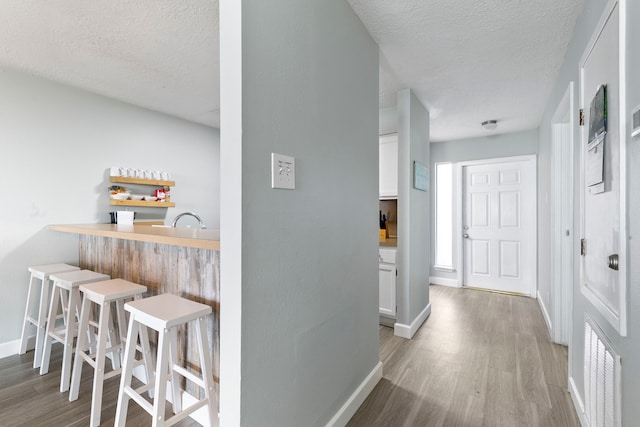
{"type": "Point", "coordinates": [499, 227]}
{"type": "Point", "coordinates": [603, 263]}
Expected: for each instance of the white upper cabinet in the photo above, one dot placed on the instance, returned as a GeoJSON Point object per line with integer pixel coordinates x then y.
{"type": "Point", "coordinates": [388, 164]}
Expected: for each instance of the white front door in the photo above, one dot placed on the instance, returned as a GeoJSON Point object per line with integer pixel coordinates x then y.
{"type": "Point", "coordinates": [499, 228]}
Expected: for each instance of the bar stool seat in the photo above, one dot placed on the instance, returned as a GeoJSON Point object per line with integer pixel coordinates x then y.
{"type": "Point", "coordinates": [66, 285]}
{"type": "Point", "coordinates": [103, 294]}
{"type": "Point", "coordinates": [41, 273]}
{"type": "Point", "coordinates": [164, 313]}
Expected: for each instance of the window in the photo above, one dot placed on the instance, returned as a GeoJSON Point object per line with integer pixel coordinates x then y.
{"type": "Point", "coordinates": [444, 216]}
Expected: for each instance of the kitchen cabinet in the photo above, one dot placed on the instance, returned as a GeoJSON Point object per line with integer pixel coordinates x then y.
{"type": "Point", "coordinates": [142, 181]}
{"type": "Point", "coordinates": [388, 166]}
{"type": "Point", "coordinates": [387, 282]}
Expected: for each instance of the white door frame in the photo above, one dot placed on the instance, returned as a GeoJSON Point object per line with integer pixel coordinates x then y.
{"type": "Point", "coordinates": [458, 232]}
{"type": "Point", "coordinates": [618, 322]}
{"type": "Point", "coordinates": [562, 227]}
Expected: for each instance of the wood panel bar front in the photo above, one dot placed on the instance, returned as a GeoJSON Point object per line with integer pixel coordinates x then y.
{"type": "Point", "coordinates": [188, 271]}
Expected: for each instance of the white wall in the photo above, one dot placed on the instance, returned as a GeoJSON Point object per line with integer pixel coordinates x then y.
{"type": "Point", "coordinates": [388, 120]}
{"type": "Point", "coordinates": [628, 347]}
{"type": "Point", "coordinates": [488, 147]}
{"type": "Point", "coordinates": [569, 72]}
{"type": "Point", "coordinates": [302, 277]}
{"type": "Point", "coordinates": [414, 215]}
{"type": "Point", "coordinates": [57, 146]}
{"type": "Point", "coordinates": [631, 345]}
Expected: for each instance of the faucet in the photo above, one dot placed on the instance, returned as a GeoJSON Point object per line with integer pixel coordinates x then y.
{"type": "Point", "coordinates": [175, 220]}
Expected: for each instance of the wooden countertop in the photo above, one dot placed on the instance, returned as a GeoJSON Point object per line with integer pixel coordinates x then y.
{"type": "Point", "coordinates": [188, 237]}
{"type": "Point", "coordinates": [389, 242]}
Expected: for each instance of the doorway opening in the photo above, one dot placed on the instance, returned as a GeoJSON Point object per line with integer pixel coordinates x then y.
{"type": "Point", "coordinates": [562, 230]}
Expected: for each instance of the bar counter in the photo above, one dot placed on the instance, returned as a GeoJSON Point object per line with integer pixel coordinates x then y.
{"type": "Point", "coordinates": [187, 237]}
{"type": "Point", "coordinates": [181, 261]}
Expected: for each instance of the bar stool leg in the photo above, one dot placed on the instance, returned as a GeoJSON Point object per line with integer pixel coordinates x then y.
{"type": "Point", "coordinates": [127, 372]}
{"type": "Point", "coordinates": [81, 345]}
{"type": "Point", "coordinates": [160, 392]}
{"type": "Point", "coordinates": [74, 299]}
{"type": "Point", "coordinates": [41, 323]}
{"type": "Point", "coordinates": [175, 378]}
{"type": "Point", "coordinates": [145, 349]}
{"type": "Point", "coordinates": [122, 319]}
{"type": "Point", "coordinates": [205, 362]}
{"type": "Point", "coordinates": [64, 303]}
{"type": "Point", "coordinates": [111, 339]}
{"type": "Point", "coordinates": [31, 299]}
{"type": "Point", "coordinates": [98, 376]}
{"type": "Point", "coordinates": [51, 326]}
{"type": "Point", "coordinates": [146, 356]}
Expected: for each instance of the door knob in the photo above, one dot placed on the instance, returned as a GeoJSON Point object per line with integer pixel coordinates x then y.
{"type": "Point", "coordinates": [465, 235]}
{"type": "Point", "coordinates": [613, 262]}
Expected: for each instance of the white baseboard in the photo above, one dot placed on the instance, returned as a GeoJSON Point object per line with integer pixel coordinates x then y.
{"type": "Point", "coordinates": [408, 331]}
{"type": "Point", "coordinates": [443, 281]}
{"type": "Point", "coordinates": [11, 348]}
{"type": "Point", "coordinates": [545, 315]}
{"type": "Point", "coordinates": [577, 402]}
{"type": "Point", "coordinates": [386, 321]}
{"type": "Point", "coordinates": [344, 414]}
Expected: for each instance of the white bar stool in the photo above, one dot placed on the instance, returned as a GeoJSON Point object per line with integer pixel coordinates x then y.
{"type": "Point", "coordinates": [103, 294]}
{"type": "Point", "coordinates": [66, 285]}
{"type": "Point", "coordinates": [164, 313]}
{"type": "Point", "coordinates": [42, 273]}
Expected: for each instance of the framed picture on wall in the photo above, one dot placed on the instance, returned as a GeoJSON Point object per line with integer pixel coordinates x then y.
{"type": "Point", "coordinates": [420, 176]}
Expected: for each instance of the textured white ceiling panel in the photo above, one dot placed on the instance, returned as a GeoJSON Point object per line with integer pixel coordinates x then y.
{"type": "Point", "coordinates": [161, 55]}
{"type": "Point", "coordinates": [471, 60]}
{"type": "Point", "coordinates": [466, 60]}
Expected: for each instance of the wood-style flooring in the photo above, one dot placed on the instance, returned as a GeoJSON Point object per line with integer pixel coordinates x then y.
{"type": "Point", "coordinates": [480, 359]}
{"type": "Point", "coordinates": [28, 399]}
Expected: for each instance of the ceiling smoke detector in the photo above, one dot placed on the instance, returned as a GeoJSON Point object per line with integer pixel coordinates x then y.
{"type": "Point", "coordinates": [489, 124]}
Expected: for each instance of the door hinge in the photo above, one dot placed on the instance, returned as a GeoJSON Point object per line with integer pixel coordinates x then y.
{"type": "Point", "coordinates": [583, 247]}
{"type": "Point", "coordinates": [396, 272]}
{"type": "Point", "coordinates": [581, 117]}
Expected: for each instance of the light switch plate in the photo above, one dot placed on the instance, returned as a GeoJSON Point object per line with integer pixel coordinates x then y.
{"type": "Point", "coordinates": [283, 171]}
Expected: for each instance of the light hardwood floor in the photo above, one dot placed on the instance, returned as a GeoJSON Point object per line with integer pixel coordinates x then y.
{"type": "Point", "coordinates": [481, 359]}
{"type": "Point", "coordinates": [28, 399]}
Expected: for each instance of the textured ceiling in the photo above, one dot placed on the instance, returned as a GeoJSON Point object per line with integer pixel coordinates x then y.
{"type": "Point", "coordinates": [161, 55]}
{"type": "Point", "coordinates": [466, 60]}
{"type": "Point", "coordinates": [471, 60]}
